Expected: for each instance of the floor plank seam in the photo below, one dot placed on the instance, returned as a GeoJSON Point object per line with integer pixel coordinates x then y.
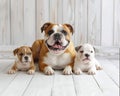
{"type": "Point", "coordinates": [74, 85]}
{"type": "Point", "coordinates": [98, 84]}
{"type": "Point", "coordinates": [10, 83]}
{"type": "Point", "coordinates": [112, 79]}
{"type": "Point", "coordinates": [52, 85]}
{"type": "Point", "coordinates": [28, 85]}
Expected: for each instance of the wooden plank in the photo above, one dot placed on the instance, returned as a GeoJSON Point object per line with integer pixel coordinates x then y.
{"type": "Point", "coordinates": [42, 16]}
{"type": "Point", "coordinates": [29, 22]}
{"type": "Point", "coordinates": [53, 11]}
{"type": "Point", "coordinates": [63, 85]}
{"type": "Point", "coordinates": [94, 22]}
{"type": "Point", "coordinates": [105, 83]}
{"type": "Point", "coordinates": [116, 22]}
{"type": "Point", "coordinates": [80, 22]}
{"type": "Point", "coordinates": [68, 13]}
{"type": "Point", "coordinates": [18, 85]}
{"type": "Point", "coordinates": [4, 22]}
{"type": "Point", "coordinates": [4, 64]}
{"type": "Point", "coordinates": [5, 79]}
{"type": "Point", "coordinates": [110, 69]}
{"type": "Point", "coordinates": [60, 11]}
{"type": "Point", "coordinates": [17, 30]}
{"type": "Point", "coordinates": [85, 85]}
{"type": "Point", "coordinates": [107, 23]}
{"type": "Point", "coordinates": [40, 85]}
{"type": "Point", "coordinates": [115, 63]}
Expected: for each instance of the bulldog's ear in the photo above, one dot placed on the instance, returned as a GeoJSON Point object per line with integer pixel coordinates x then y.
{"type": "Point", "coordinates": [45, 26]}
{"type": "Point", "coordinates": [15, 51]}
{"type": "Point", "coordinates": [69, 27]}
{"type": "Point", "coordinates": [78, 47]}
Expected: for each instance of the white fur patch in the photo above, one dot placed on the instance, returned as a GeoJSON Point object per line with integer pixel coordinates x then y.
{"type": "Point", "coordinates": [48, 70]}
{"type": "Point", "coordinates": [31, 72]}
{"type": "Point", "coordinates": [11, 71]}
{"type": "Point", "coordinates": [67, 70]}
{"type": "Point", "coordinates": [57, 61]}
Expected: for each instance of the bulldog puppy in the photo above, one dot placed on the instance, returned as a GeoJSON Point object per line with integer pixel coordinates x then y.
{"type": "Point", "coordinates": [24, 60]}
{"type": "Point", "coordinates": [85, 60]}
{"type": "Point", "coordinates": [56, 50]}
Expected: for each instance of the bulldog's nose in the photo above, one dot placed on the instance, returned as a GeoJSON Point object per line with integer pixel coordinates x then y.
{"type": "Point", "coordinates": [26, 58]}
{"type": "Point", "coordinates": [87, 55]}
{"type": "Point", "coordinates": [57, 36]}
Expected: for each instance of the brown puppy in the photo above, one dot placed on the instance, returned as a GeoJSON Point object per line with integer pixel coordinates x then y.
{"type": "Point", "coordinates": [56, 51]}
{"type": "Point", "coordinates": [24, 60]}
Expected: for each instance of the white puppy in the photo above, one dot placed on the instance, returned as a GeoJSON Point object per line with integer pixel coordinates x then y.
{"type": "Point", "coordinates": [85, 60]}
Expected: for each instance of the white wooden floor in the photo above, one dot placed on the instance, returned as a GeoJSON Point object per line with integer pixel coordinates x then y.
{"type": "Point", "coordinates": [104, 83]}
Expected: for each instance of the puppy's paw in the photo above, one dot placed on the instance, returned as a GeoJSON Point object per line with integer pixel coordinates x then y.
{"type": "Point", "coordinates": [48, 70]}
{"type": "Point", "coordinates": [11, 71]}
{"type": "Point", "coordinates": [77, 71]}
{"type": "Point", "coordinates": [67, 70]}
{"type": "Point", "coordinates": [92, 72]}
{"type": "Point", "coordinates": [31, 72]}
{"type": "Point", "coordinates": [99, 67]}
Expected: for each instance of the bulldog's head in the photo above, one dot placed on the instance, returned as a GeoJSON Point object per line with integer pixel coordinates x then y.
{"type": "Point", "coordinates": [85, 52]}
{"type": "Point", "coordinates": [57, 37]}
{"type": "Point", "coordinates": [24, 54]}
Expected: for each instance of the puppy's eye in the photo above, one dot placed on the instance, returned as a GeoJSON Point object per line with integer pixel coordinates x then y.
{"type": "Point", "coordinates": [50, 32]}
{"type": "Point", "coordinates": [64, 32]}
{"type": "Point", "coordinates": [81, 51]}
{"type": "Point", "coordinates": [91, 51]}
{"type": "Point", "coordinates": [29, 53]}
{"type": "Point", "coordinates": [21, 54]}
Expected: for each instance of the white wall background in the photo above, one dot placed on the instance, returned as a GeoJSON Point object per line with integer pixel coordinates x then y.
{"type": "Point", "coordinates": [94, 21]}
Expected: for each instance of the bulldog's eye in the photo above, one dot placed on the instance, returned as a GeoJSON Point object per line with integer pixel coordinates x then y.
{"type": "Point", "coordinates": [21, 54]}
{"type": "Point", "coordinates": [81, 51]}
{"type": "Point", "coordinates": [64, 32]}
{"type": "Point", "coordinates": [29, 53]}
{"type": "Point", "coordinates": [91, 51]}
{"type": "Point", "coordinates": [50, 32]}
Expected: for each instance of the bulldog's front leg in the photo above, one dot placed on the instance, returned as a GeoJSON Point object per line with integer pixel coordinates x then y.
{"type": "Point", "coordinates": [68, 70]}
{"type": "Point", "coordinates": [31, 70]}
{"type": "Point", "coordinates": [46, 69]}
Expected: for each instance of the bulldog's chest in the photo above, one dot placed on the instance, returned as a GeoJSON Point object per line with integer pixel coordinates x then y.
{"type": "Point", "coordinates": [57, 61]}
{"type": "Point", "coordinates": [86, 66]}
{"type": "Point", "coordinates": [21, 66]}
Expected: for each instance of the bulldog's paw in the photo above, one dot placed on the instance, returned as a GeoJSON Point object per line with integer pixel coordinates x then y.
{"type": "Point", "coordinates": [98, 67]}
{"type": "Point", "coordinates": [31, 72]}
{"type": "Point", "coordinates": [77, 71]}
{"type": "Point", "coordinates": [11, 71]}
{"type": "Point", "coordinates": [92, 72]}
{"type": "Point", "coordinates": [67, 70]}
{"type": "Point", "coordinates": [48, 70]}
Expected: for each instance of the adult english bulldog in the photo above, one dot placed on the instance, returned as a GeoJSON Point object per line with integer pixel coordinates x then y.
{"type": "Point", "coordinates": [56, 50]}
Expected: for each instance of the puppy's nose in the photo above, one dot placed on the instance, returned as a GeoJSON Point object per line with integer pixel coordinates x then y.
{"type": "Point", "coordinates": [87, 55]}
{"type": "Point", "coordinates": [26, 58]}
{"type": "Point", "coordinates": [57, 36]}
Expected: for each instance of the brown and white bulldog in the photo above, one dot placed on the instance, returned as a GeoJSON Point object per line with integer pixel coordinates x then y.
{"type": "Point", "coordinates": [56, 51]}
{"type": "Point", "coordinates": [24, 60]}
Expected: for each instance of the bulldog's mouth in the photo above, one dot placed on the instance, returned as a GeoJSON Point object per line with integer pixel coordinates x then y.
{"type": "Point", "coordinates": [86, 59]}
{"type": "Point", "coordinates": [57, 46]}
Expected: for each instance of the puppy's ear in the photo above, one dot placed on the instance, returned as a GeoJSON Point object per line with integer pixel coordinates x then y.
{"type": "Point", "coordinates": [94, 49]}
{"type": "Point", "coordinates": [45, 26]}
{"type": "Point", "coordinates": [78, 47]}
{"type": "Point", "coordinates": [69, 27]}
{"type": "Point", "coordinates": [30, 48]}
{"type": "Point", "coordinates": [15, 51]}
